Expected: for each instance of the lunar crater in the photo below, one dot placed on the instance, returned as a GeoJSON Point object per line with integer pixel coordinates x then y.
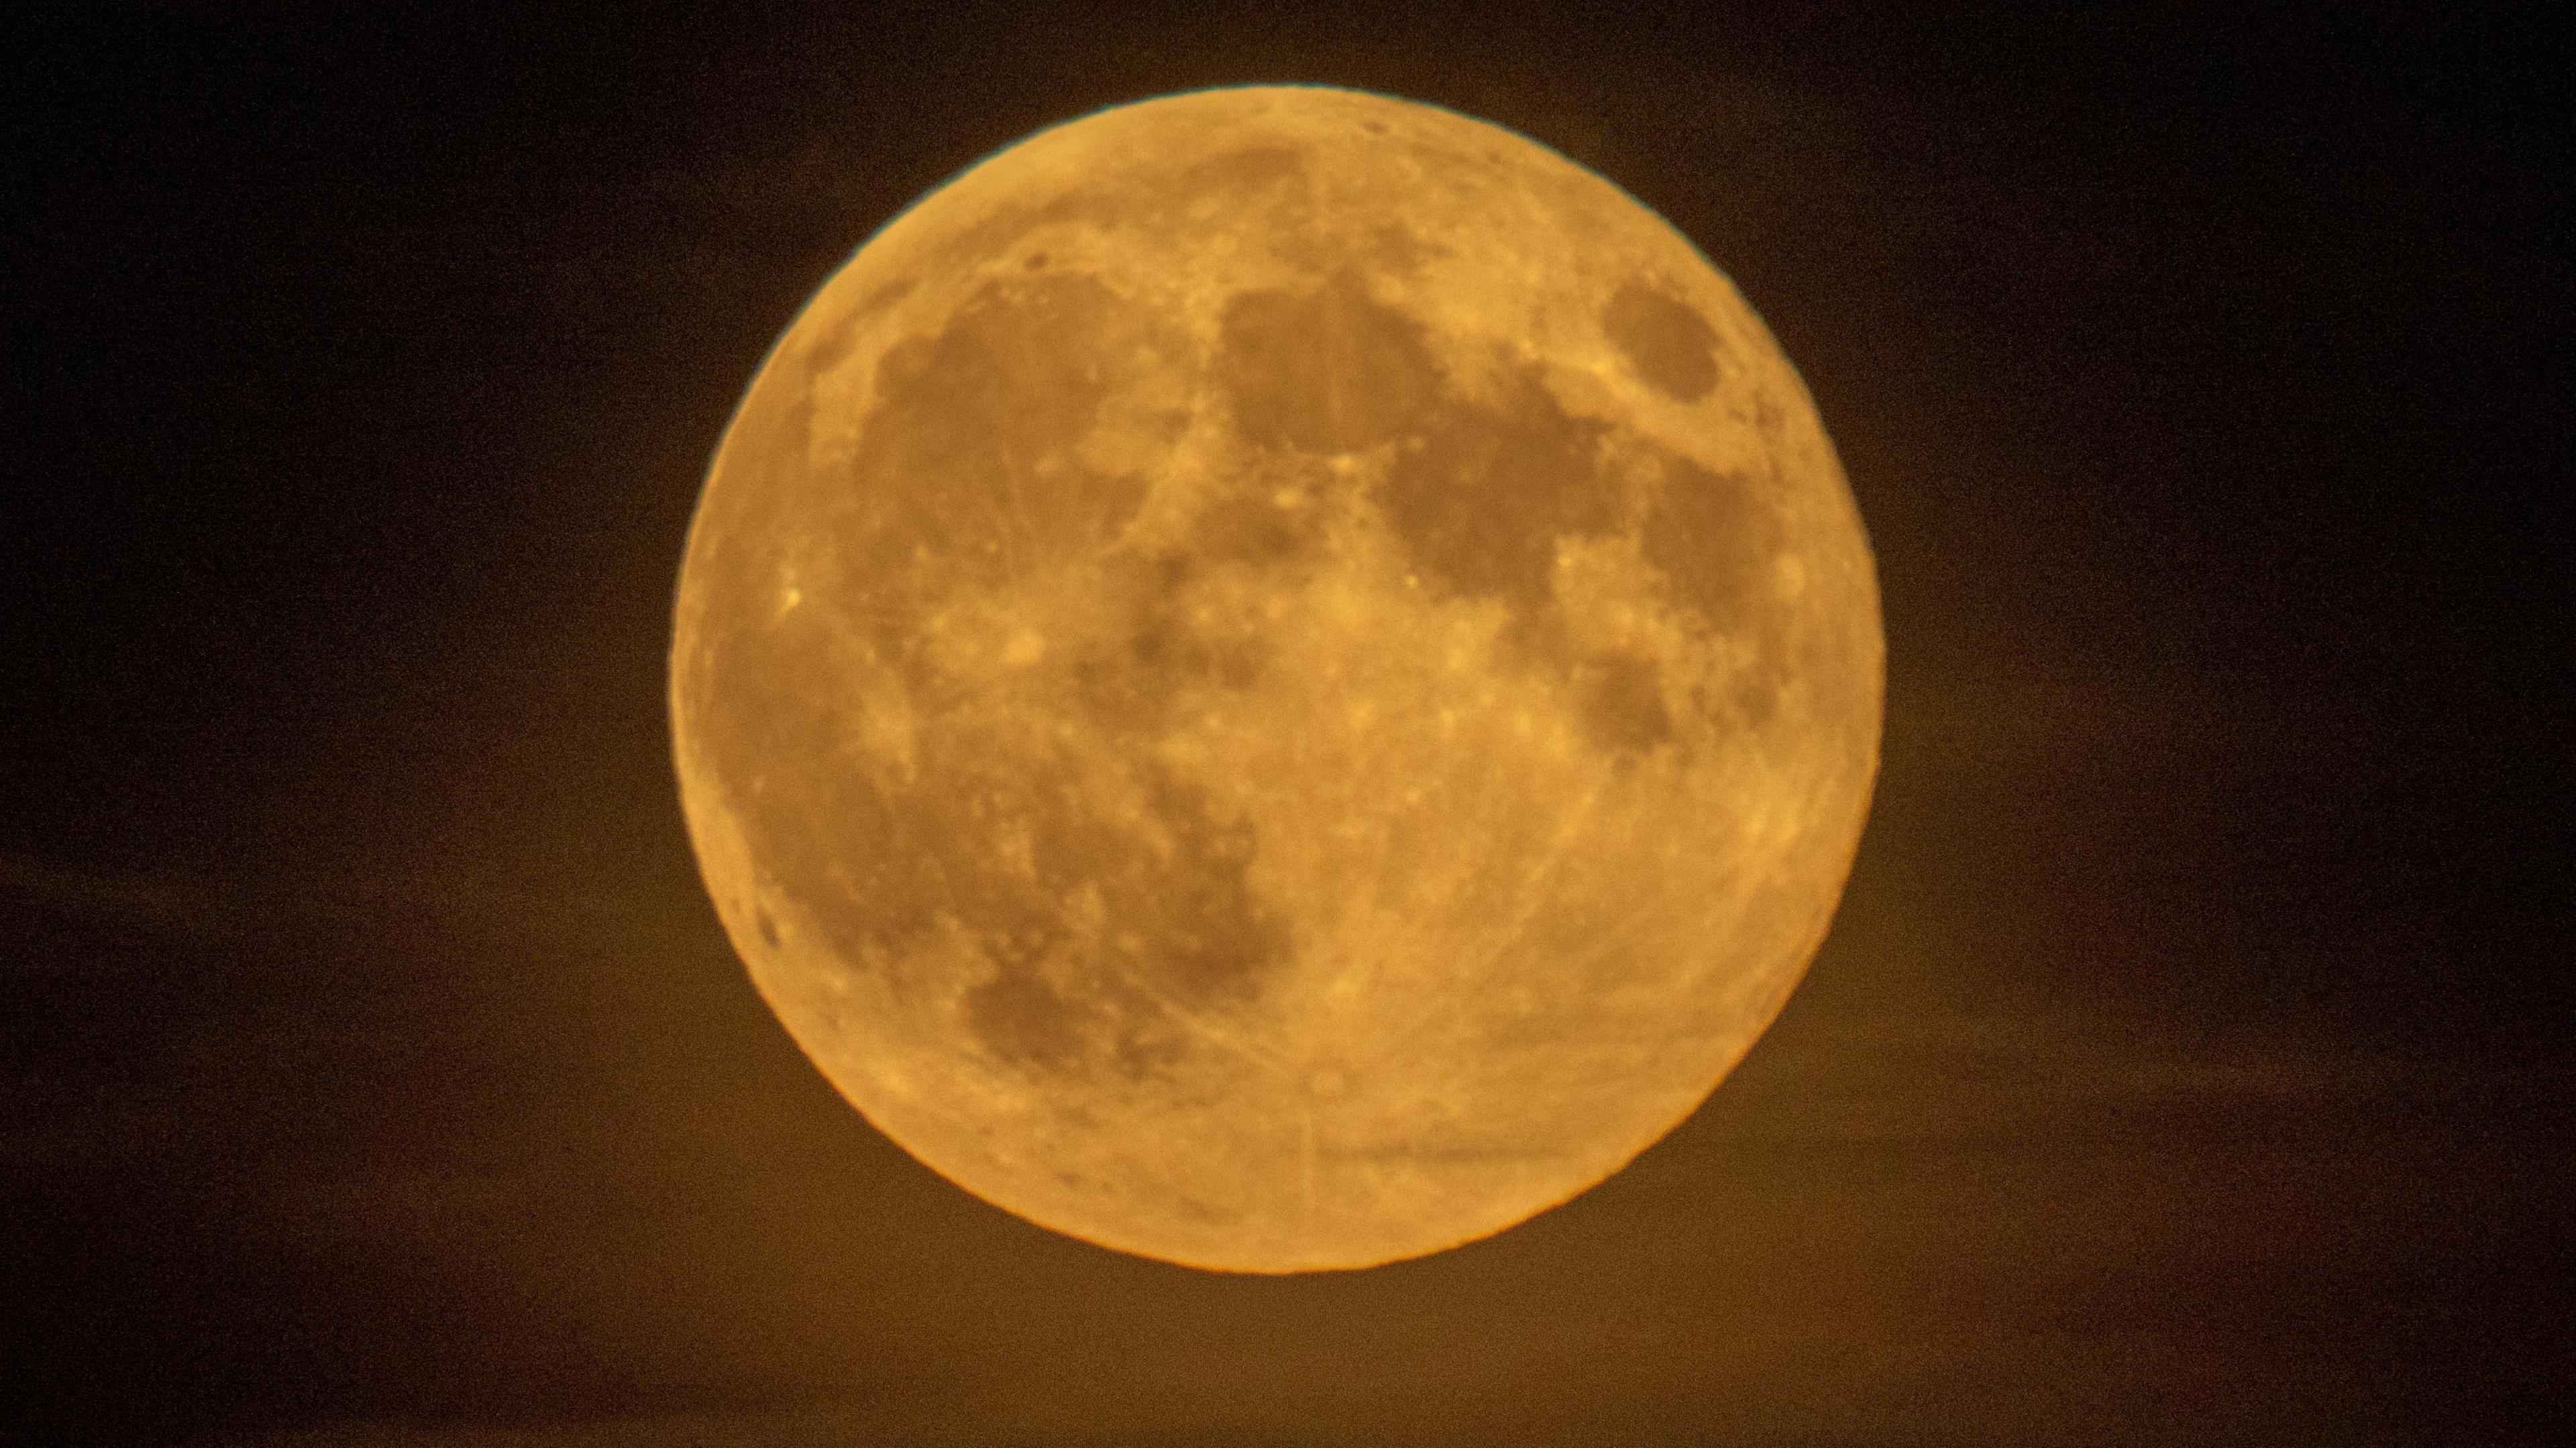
{"type": "Point", "coordinates": [1671, 346]}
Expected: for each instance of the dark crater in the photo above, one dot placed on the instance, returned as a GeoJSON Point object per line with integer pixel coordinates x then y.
{"type": "Point", "coordinates": [1670, 345]}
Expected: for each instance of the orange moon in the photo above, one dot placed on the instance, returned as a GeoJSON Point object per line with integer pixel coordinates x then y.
{"type": "Point", "coordinates": [1276, 678]}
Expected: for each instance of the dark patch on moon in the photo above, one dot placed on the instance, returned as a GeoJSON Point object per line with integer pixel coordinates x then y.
{"type": "Point", "coordinates": [1148, 200]}
{"type": "Point", "coordinates": [1250, 530]}
{"type": "Point", "coordinates": [1128, 683]}
{"type": "Point", "coordinates": [829, 348]}
{"type": "Point", "coordinates": [1206, 938]}
{"type": "Point", "coordinates": [966, 480]}
{"type": "Point", "coordinates": [1715, 538]}
{"type": "Point", "coordinates": [1623, 704]}
{"type": "Point", "coordinates": [1397, 249]}
{"type": "Point", "coordinates": [1017, 1015]}
{"type": "Point", "coordinates": [1157, 648]}
{"type": "Point", "coordinates": [1326, 370]}
{"type": "Point", "coordinates": [1176, 650]}
{"type": "Point", "coordinates": [1756, 693]}
{"type": "Point", "coordinates": [1181, 926]}
{"type": "Point", "coordinates": [965, 476]}
{"type": "Point", "coordinates": [883, 297]}
{"type": "Point", "coordinates": [1483, 494]}
{"type": "Point", "coordinates": [1161, 643]}
{"type": "Point", "coordinates": [1088, 930]}
{"type": "Point", "coordinates": [827, 351]}
{"type": "Point", "coordinates": [1671, 346]}
{"type": "Point", "coordinates": [1254, 168]}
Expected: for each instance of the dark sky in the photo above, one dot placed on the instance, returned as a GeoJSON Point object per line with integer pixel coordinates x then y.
{"type": "Point", "coordinates": [2188, 1063]}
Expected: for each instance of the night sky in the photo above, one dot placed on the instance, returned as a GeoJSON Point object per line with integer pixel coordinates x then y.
{"type": "Point", "coordinates": [2189, 1061]}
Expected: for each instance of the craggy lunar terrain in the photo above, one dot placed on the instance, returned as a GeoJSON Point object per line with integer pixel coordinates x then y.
{"type": "Point", "coordinates": [1277, 679]}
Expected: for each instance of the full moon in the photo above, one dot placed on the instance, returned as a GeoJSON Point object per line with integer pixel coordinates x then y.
{"type": "Point", "coordinates": [1276, 678]}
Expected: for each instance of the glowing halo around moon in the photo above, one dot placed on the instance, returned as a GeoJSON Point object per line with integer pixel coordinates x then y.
{"type": "Point", "coordinates": [1276, 678]}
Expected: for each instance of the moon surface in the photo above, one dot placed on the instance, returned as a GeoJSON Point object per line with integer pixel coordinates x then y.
{"type": "Point", "coordinates": [1276, 678]}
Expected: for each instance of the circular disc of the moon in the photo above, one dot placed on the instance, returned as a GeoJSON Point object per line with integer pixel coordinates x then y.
{"type": "Point", "coordinates": [1276, 678]}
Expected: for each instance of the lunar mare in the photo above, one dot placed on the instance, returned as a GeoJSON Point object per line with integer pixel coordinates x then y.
{"type": "Point", "coordinates": [1276, 678]}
